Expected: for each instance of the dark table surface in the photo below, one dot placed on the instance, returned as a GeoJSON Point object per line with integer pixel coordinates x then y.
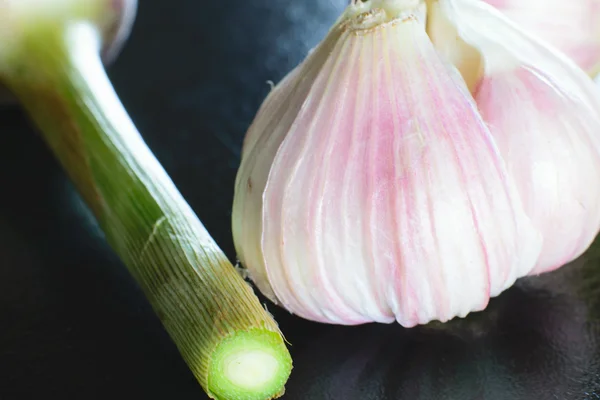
{"type": "Point", "coordinates": [74, 325]}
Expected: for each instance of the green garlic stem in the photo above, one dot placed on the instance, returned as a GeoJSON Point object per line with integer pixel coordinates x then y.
{"type": "Point", "coordinates": [232, 345]}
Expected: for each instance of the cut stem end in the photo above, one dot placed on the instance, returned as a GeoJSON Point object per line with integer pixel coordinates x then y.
{"type": "Point", "coordinates": [250, 365]}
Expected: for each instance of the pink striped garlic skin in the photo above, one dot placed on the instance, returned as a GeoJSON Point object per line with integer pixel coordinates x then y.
{"type": "Point", "coordinates": [572, 26]}
{"type": "Point", "coordinates": [273, 121]}
{"type": "Point", "coordinates": [376, 185]}
{"type": "Point", "coordinates": [549, 158]}
{"type": "Point", "coordinates": [544, 114]}
{"type": "Point", "coordinates": [398, 199]}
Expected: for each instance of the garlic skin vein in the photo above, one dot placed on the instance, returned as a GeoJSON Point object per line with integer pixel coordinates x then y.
{"type": "Point", "coordinates": [371, 186]}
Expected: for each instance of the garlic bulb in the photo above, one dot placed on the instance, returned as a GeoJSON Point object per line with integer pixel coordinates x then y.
{"type": "Point", "coordinates": [572, 26]}
{"type": "Point", "coordinates": [380, 179]}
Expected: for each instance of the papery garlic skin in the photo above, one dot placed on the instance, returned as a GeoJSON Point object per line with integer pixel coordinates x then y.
{"type": "Point", "coordinates": [275, 118]}
{"type": "Point", "coordinates": [550, 159]}
{"type": "Point", "coordinates": [371, 189]}
{"type": "Point", "coordinates": [572, 26]}
{"type": "Point", "coordinates": [544, 113]}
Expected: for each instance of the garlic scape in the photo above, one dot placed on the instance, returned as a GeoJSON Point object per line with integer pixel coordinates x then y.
{"type": "Point", "coordinates": [423, 157]}
{"type": "Point", "coordinates": [51, 55]}
{"type": "Point", "coordinates": [571, 26]}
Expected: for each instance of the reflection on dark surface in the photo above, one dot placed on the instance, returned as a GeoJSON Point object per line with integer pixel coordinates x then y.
{"type": "Point", "coordinates": [74, 326]}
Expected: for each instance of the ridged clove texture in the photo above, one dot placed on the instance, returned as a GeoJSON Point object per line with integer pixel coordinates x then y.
{"type": "Point", "coordinates": [423, 157]}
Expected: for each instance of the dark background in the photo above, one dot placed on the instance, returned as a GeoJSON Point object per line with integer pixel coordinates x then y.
{"type": "Point", "coordinates": [74, 325]}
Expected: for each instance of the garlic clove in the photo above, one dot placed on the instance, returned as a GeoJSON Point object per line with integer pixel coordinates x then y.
{"type": "Point", "coordinates": [553, 159]}
{"type": "Point", "coordinates": [377, 193]}
{"type": "Point", "coordinates": [275, 117]}
{"type": "Point", "coordinates": [450, 45]}
{"type": "Point", "coordinates": [544, 113]}
{"type": "Point", "coordinates": [572, 26]}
